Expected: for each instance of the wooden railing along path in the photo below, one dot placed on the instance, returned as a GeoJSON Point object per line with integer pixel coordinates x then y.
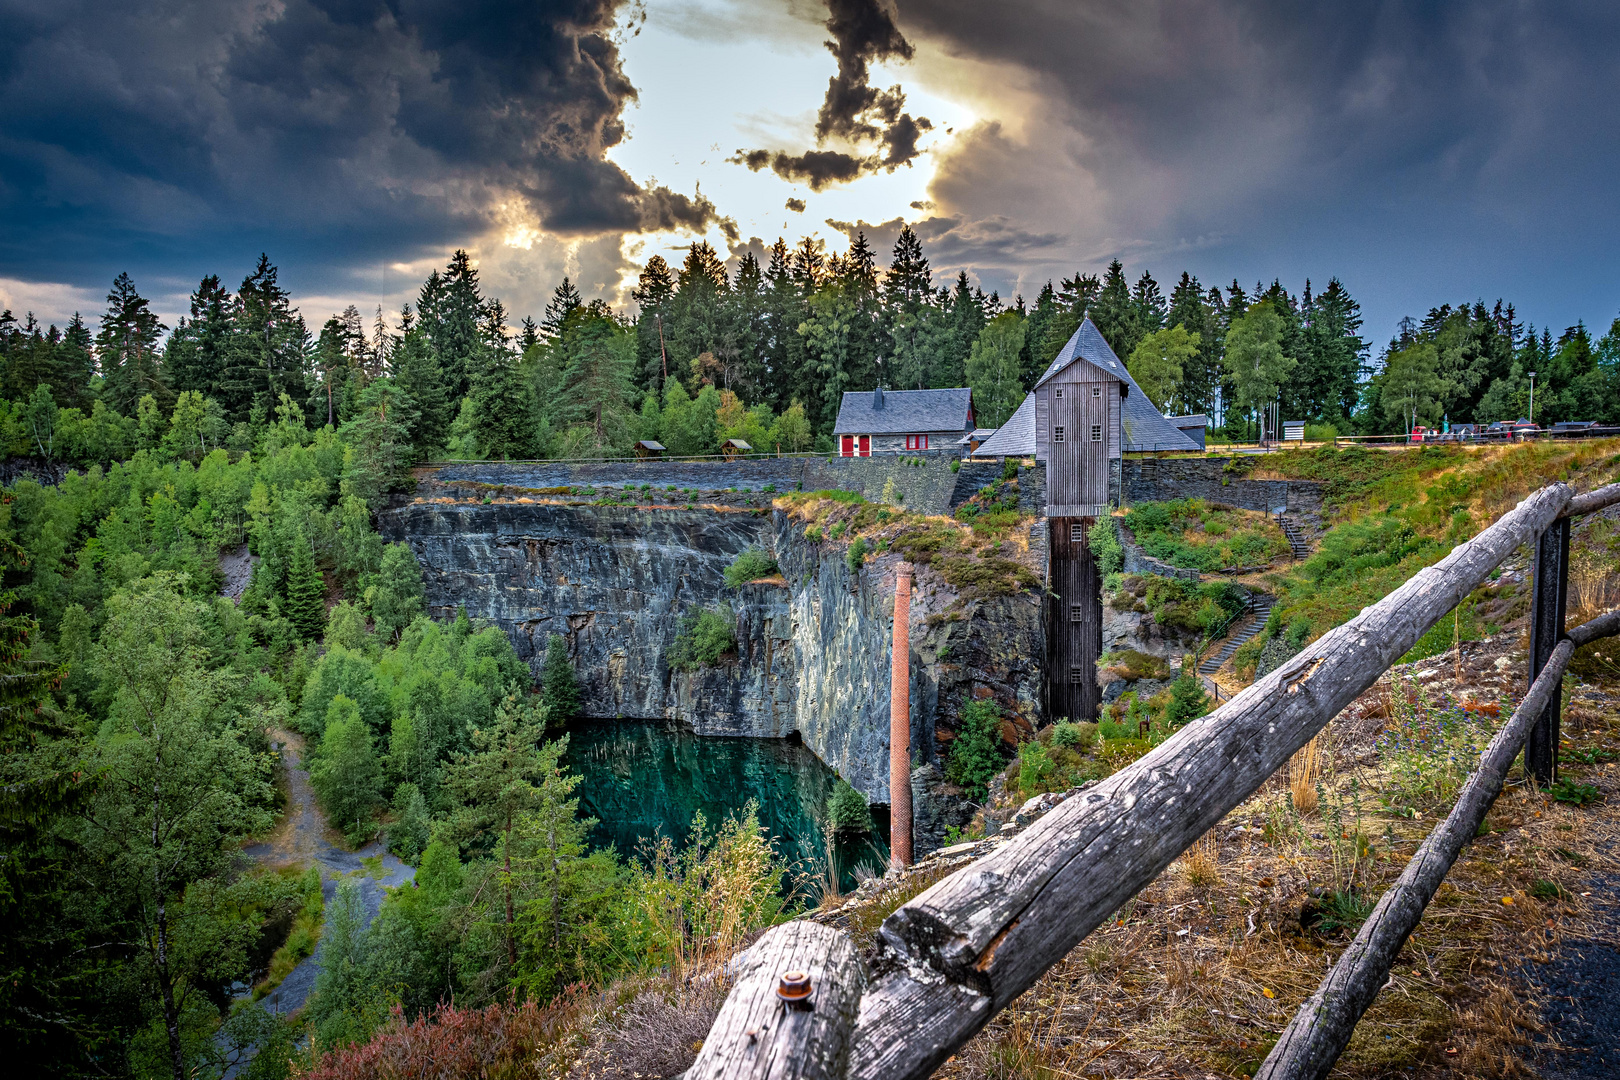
{"type": "Point", "coordinates": [805, 1005]}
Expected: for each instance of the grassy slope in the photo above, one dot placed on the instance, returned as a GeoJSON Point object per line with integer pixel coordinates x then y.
{"type": "Point", "coordinates": [1392, 513]}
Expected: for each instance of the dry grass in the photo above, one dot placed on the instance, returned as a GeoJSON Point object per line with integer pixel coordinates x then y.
{"type": "Point", "coordinates": [1304, 769]}
{"type": "Point", "coordinates": [1198, 974]}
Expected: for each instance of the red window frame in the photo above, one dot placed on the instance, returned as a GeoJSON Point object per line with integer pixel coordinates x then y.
{"type": "Point", "coordinates": [916, 442]}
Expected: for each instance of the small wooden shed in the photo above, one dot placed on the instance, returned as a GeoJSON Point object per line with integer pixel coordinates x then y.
{"type": "Point", "coordinates": [735, 448]}
{"type": "Point", "coordinates": [646, 448]}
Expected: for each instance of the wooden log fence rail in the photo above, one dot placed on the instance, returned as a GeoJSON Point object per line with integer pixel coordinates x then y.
{"type": "Point", "coordinates": [951, 958]}
{"type": "Point", "coordinates": [1321, 1029]}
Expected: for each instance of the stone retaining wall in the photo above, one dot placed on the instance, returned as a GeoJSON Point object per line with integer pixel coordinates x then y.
{"type": "Point", "coordinates": [1163, 479]}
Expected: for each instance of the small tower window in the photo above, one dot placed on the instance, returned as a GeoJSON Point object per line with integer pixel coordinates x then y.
{"type": "Point", "coordinates": [1057, 433]}
{"type": "Point", "coordinates": [1077, 613]}
{"type": "Point", "coordinates": [1096, 391]}
{"type": "Point", "coordinates": [1076, 533]}
{"type": "Point", "coordinates": [1058, 392]}
{"type": "Point", "coordinates": [1077, 675]}
{"type": "Point", "coordinates": [1096, 433]}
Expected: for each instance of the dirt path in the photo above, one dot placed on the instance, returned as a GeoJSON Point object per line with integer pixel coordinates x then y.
{"type": "Point", "coordinates": [304, 837]}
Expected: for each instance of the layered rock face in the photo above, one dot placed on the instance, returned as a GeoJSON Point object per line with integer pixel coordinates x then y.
{"type": "Point", "coordinates": [812, 654]}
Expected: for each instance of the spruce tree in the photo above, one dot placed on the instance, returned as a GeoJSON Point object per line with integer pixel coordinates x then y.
{"type": "Point", "coordinates": [127, 347]}
{"type": "Point", "coordinates": [304, 603]}
{"type": "Point", "coordinates": [1115, 313]}
{"type": "Point", "coordinates": [559, 686]}
{"type": "Point", "coordinates": [907, 285]}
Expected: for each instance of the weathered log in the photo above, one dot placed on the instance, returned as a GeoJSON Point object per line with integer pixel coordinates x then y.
{"type": "Point", "coordinates": [1322, 1027]}
{"type": "Point", "coordinates": [759, 1035]}
{"type": "Point", "coordinates": [1596, 499]}
{"type": "Point", "coordinates": [965, 948]}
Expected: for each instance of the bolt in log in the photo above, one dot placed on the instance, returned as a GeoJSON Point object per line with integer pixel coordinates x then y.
{"type": "Point", "coordinates": [790, 1014]}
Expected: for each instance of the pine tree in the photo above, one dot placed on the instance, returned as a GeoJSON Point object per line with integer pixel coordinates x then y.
{"type": "Point", "coordinates": [1076, 298]}
{"type": "Point", "coordinates": [1115, 313]}
{"type": "Point", "coordinates": [1201, 374]}
{"type": "Point", "coordinates": [1149, 304]}
{"type": "Point", "coordinates": [1034, 362]}
{"type": "Point", "coordinates": [652, 294]}
{"type": "Point", "coordinates": [304, 603]}
{"type": "Point", "coordinates": [564, 299]}
{"type": "Point", "coordinates": [127, 347]}
{"type": "Point", "coordinates": [497, 783]}
{"type": "Point", "coordinates": [1188, 701]}
{"type": "Point", "coordinates": [907, 285]}
{"type": "Point", "coordinates": [559, 686]}
{"type": "Point", "coordinates": [417, 374]}
{"type": "Point", "coordinates": [268, 350]}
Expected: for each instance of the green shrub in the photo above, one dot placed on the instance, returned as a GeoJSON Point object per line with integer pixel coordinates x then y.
{"type": "Point", "coordinates": [812, 533]}
{"type": "Point", "coordinates": [768, 489]}
{"type": "Point", "coordinates": [847, 810]}
{"type": "Point", "coordinates": [956, 465]}
{"type": "Point", "coordinates": [704, 637]}
{"type": "Point", "coordinates": [836, 531]}
{"type": "Point", "coordinates": [1009, 469]}
{"type": "Point", "coordinates": [750, 565]}
{"type": "Point", "coordinates": [1105, 547]}
{"type": "Point", "coordinates": [1035, 768]}
{"type": "Point", "coordinates": [855, 557]}
{"type": "Point", "coordinates": [1066, 733]}
{"type": "Point", "coordinates": [976, 751]}
{"type": "Point", "coordinates": [1188, 701]}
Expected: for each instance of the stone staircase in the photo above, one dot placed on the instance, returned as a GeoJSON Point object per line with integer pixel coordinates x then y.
{"type": "Point", "coordinates": [1259, 612]}
{"type": "Point", "coordinates": [1296, 538]}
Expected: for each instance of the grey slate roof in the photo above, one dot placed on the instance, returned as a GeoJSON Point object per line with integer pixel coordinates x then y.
{"type": "Point", "coordinates": [1015, 438]}
{"type": "Point", "coordinates": [904, 412]}
{"type": "Point", "coordinates": [1197, 419]}
{"type": "Point", "coordinates": [1145, 428]}
{"type": "Point", "coordinates": [979, 433]}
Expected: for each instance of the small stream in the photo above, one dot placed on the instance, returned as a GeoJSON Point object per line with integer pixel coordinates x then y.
{"type": "Point", "coordinates": [644, 778]}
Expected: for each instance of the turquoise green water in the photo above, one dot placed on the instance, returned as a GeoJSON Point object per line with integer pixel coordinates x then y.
{"type": "Point", "coordinates": [643, 779]}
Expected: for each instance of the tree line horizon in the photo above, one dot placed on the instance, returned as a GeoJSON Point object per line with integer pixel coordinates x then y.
{"type": "Point", "coordinates": [764, 353]}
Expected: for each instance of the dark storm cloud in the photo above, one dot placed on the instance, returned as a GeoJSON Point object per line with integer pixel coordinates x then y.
{"type": "Point", "coordinates": [853, 111]}
{"type": "Point", "coordinates": [1482, 135]}
{"type": "Point", "coordinates": [360, 125]}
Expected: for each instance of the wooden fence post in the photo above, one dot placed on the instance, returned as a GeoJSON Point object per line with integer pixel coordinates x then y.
{"type": "Point", "coordinates": [1546, 630]}
{"type": "Point", "coordinates": [763, 1032]}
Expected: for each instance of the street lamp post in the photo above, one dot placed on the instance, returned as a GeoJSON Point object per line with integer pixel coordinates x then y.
{"type": "Point", "coordinates": [1532, 417]}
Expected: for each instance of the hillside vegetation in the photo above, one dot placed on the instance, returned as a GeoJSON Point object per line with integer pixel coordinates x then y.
{"type": "Point", "coordinates": [1389, 514]}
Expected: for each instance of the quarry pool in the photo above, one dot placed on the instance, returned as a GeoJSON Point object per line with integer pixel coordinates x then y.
{"type": "Point", "coordinates": [641, 779]}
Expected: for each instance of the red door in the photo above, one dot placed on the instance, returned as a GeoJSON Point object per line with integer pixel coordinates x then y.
{"type": "Point", "coordinates": [848, 447]}
{"type": "Point", "coordinates": [866, 446]}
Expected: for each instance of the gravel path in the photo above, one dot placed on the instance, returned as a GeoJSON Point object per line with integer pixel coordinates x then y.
{"type": "Point", "coordinates": [305, 838]}
{"type": "Point", "coordinates": [1579, 990]}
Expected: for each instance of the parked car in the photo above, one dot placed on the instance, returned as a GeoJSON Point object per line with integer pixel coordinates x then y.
{"type": "Point", "coordinates": [1575, 429]}
{"type": "Point", "coordinates": [1421, 434]}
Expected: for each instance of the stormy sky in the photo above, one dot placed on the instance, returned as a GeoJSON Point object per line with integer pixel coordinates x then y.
{"type": "Point", "coordinates": [1421, 152]}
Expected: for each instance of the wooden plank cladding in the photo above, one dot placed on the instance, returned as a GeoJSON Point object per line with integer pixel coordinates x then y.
{"type": "Point", "coordinates": [1073, 622]}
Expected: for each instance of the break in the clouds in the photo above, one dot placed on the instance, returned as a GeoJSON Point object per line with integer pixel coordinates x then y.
{"type": "Point", "coordinates": [325, 129]}
{"type": "Point", "coordinates": [855, 114]}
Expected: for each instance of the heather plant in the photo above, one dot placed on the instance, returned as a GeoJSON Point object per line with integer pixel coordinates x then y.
{"type": "Point", "coordinates": [1431, 747]}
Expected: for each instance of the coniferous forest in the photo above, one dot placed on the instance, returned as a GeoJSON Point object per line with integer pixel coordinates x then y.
{"type": "Point", "coordinates": [147, 680]}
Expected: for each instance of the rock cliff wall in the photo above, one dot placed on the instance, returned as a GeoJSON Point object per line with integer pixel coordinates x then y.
{"type": "Point", "coordinates": [813, 652]}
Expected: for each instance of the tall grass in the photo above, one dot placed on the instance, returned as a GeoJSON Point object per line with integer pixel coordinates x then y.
{"type": "Point", "coordinates": [1304, 768]}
